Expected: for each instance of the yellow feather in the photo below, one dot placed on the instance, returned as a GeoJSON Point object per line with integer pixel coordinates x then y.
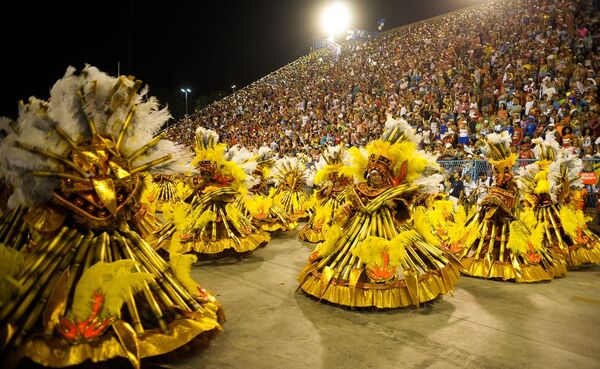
{"type": "Point", "coordinates": [571, 220]}
{"type": "Point", "coordinates": [258, 205]}
{"type": "Point", "coordinates": [115, 281]}
{"type": "Point", "coordinates": [370, 251]}
{"type": "Point", "coordinates": [422, 224]}
{"type": "Point", "coordinates": [517, 240]}
{"type": "Point", "coordinates": [359, 164]}
{"type": "Point", "coordinates": [182, 266]}
{"type": "Point", "coordinates": [333, 235]}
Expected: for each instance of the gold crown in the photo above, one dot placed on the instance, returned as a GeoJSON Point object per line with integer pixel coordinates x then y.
{"type": "Point", "coordinates": [378, 162]}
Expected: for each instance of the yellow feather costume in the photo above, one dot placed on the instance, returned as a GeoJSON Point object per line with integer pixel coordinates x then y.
{"type": "Point", "coordinates": [377, 251]}
{"type": "Point", "coordinates": [262, 210]}
{"type": "Point", "coordinates": [91, 289]}
{"type": "Point", "coordinates": [551, 189]}
{"type": "Point", "coordinates": [494, 242]}
{"type": "Point", "coordinates": [212, 223]}
{"type": "Point", "coordinates": [327, 199]}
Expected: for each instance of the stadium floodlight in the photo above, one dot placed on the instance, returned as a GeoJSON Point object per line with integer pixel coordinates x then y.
{"type": "Point", "coordinates": [335, 18]}
{"type": "Point", "coordinates": [186, 91]}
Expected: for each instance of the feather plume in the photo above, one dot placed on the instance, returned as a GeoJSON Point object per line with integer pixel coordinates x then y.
{"type": "Point", "coordinates": [423, 225]}
{"type": "Point", "coordinates": [371, 250]}
{"type": "Point", "coordinates": [182, 267]}
{"type": "Point", "coordinates": [115, 281]}
{"type": "Point", "coordinates": [334, 234]}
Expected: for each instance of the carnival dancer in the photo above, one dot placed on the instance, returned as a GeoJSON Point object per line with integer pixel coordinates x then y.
{"type": "Point", "coordinates": [260, 208]}
{"type": "Point", "coordinates": [494, 243]}
{"type": "Point", "coordinates": [90, 288]}
{"type": "Point", "coordinates": [551, 190]}
{"type": "Point", "coordinates": [211, 223]}
{"type": "Point", "coordinates": [332, 183]}
{"type": "Point", "coordinates": [291, 176]}
{"type": "Point", "coordinates": [374, 256]}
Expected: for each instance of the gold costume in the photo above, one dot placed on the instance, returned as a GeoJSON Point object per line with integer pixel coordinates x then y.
{"type": "Point", "coordinates": [493, 242]}
{"type": "Point", "coordinates": [89, 287]}
{"type": "Point", "coordinates": [290, 176]}
{"type": "Point", "coordinates": [551, 190]}
{"type": "Point", "coordinates": [212, 223]}
{"type": "Point", "coordinates": [375, 254]}
{"type": "Point", "coordinates": [262, 211]}
{"type": "Point", "coordinates": [332, 184]}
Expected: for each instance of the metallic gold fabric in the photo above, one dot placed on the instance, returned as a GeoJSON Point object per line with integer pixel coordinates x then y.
{"type": "Point", "coordinates": [58, 353]}
{"type": "Point", "coordinates": [383, 296]}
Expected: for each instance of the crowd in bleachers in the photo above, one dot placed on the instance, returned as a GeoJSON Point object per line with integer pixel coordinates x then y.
{"type": "Point", "coordinates": [529, 67]}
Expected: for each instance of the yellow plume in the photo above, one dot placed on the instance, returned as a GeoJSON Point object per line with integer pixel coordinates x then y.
{"type": "Point", "coordinates": [370, 251]}
{"type": "Point", "coordinates": [423, 225]}
{"type": "Point", "coordinates": [115, 281]}
{"type": "Point", "coordinates": [518, 238]}
{"type": "Point", "coordinates": [328, 246]}
{"type": "Point", "coordinates": [258, 205]}
{"type": "Point", "coordinates": [543, 186]}
{"type": "Point", "coordinates": [358, 166]}
{"type": "Point", "coordinates": [571, 220]}
{"type": "Point", "coordinates": [182, 266]}
{"type": "Point", "coordinates": [528, 217]}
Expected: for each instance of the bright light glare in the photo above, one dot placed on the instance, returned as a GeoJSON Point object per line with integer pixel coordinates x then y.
{"type": "Point", "coordinates": [335, 18]}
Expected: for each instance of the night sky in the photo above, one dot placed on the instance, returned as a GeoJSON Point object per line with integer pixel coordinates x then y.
{"type": "Point", "coordinates": [173, 44]}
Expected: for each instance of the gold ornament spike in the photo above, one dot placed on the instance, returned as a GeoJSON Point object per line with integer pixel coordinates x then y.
{"type": "Point", "coordinates": [76, 266]}
{"type": "Point", "coordinates": [10, 225]}
{"type": "Point", "coordinates": [348, 238]}
{"type": "Point", "coordinates": [159, 267]}
{"type": "Point", "coordinates": [44, 173]}
{"type": "Point", "coordinates": [57, 303]}
{"type": "Point", "coordinates": [502, 242]}
{"type": "Point", "coordinates": [151, 164]}
{"type": "Point", "coordinates": [229, 232]}
{"type": "Point", "coordinates": [492, 243]}
{"type": "Point", "coordinates": [547, 228]}
{"type": "Point", "coordinates": [105, 189]}
{"type": "Point", "coordinates": [154, 286]}
{"type": "Point", "coordinates": [101, 247]}
{"type": "Point", "coordinates": [556, 231]}
{"type": "Point", "coordinates": [146, 147]}
{"type": "Point", "coordinates": [129, 342]}
{"type": "Point", "coordinates": [42, 286]}
{"type": "Point", "coordinates": [350, 245]}
{"type": "Point", "coordinates": [161, 278]}
{"type": "Point", "coordinates": [50, 155]}
{"type": "Point", "coordinates": [414, 256]}
{"type": "Point", "coordinates": [124, 128]}
{"type": "Point", "coordinates": [482, 239]}
{"type": "Point", "coordinates": [41, 255]}
{"type": "Point", "coordinates": [90, 121]}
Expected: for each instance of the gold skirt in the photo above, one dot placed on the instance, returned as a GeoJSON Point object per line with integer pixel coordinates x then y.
{"type": "Point", "coordinates": [159, 319]}
{"type": "Point", "coordinates": [313, 231]}
{"type": "Point", "coordinates": [342, 278]}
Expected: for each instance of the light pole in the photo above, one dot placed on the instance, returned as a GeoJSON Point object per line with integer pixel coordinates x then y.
{"type": "Point", "coordinates": [185, 91]}
{"type": "Point", "coordinates": [233, 88]}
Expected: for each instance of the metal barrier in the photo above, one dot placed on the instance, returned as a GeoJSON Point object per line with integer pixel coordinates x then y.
{"type": "Point", "coordinates": [476, 167]}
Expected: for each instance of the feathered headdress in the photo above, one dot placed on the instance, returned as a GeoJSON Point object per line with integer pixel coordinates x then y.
{"type": "Point", "coordinates": [331, 161]}
{"type": "Point", "coordinates": [85, 148]}
{"type": "Point", "coordinates": [289, 170]}
{"type": "Point", "coordinates": [498, 150]}
{"type": "Point", "coordinates": [395, 153]}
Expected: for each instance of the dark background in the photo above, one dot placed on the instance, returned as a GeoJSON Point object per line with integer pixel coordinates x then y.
{"type": "Point", "coordinates": [204, 46]}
